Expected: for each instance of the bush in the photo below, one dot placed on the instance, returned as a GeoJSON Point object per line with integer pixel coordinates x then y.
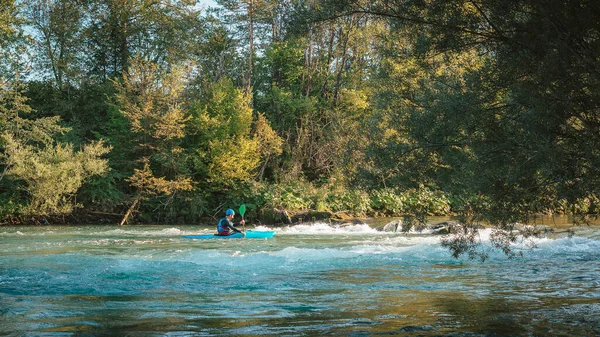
{"type": "Point", "coordinates": [288, 196]}
{"type": "Point", "coordinates": [414, 201]}
{"type": "Point", "coordinates": [353, 201]}
{"type": "Point", "coordinates": [300, 196]}
{"type": "Point", "coordinates": [387, 201]}
{"type": "Point", "coordinates": [426, 202]}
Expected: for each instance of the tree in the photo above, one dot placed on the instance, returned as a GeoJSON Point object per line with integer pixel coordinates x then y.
{"type": "Point", "coordinates": [224, 150]}
{"type": "Point", "coordinates": [14, 42]}
{"type": "Point", "coordinates": [57, 25]}
{"type": "Point", "coordinates": [269, 142]}
{"type": "Point", "coordinates": [52, 172]}
{"type": "Point", "coordinates": [215, 53]}
{"type": "Point", "coordinates": [252, 13]}
{"type": "Point", "coordinates": [162, 32]}
{"type": "Point", "coordinates": [151, 100]}
{"type": "Point", "coordinates": [313, 85]}
{"type": "Point", "coordinates": [515, 135]}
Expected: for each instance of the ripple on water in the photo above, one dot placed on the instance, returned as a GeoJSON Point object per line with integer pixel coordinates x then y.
{"type": "Point", "coordinates": [312, 281]}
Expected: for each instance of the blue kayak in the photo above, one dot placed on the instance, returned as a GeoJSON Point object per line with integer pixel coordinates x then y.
{"type": "Point", "coordinates": [249, 235]}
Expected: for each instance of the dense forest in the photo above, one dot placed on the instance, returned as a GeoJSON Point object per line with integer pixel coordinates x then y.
{"type": "Point", "coordinates": [166, 111]}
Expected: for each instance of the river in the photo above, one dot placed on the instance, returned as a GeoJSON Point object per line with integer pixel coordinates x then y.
{"type": "Point", "coordinates": [308, 280]}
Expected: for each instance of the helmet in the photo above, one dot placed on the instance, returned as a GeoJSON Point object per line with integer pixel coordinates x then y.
{"type": "Point", "coordinates": [229, 212]}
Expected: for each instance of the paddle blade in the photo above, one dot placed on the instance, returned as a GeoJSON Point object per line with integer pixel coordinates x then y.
{"type": "Point", "coordinates": [242, 210]}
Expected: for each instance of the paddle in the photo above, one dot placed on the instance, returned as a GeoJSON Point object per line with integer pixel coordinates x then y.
{"type": "Point", "coordinates": [242, 211]}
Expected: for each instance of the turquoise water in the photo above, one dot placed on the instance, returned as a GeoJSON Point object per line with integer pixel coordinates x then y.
{"type": "Point", "coordinates": [309, 280]}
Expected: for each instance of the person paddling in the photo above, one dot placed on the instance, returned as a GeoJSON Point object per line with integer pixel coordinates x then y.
{"type": "Point", "coordinates": [226, 226]}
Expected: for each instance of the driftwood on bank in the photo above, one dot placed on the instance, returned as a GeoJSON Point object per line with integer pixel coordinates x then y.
{"type": "Point", "coordinates": [130, 210]}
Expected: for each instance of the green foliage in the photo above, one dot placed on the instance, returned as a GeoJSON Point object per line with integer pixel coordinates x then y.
{"type": "Point", "coordinates": [59, 34]}
{"type": "Point", "coordinates": [221, 124]}
{"type": "Point", "coordinates": [53, 173]}
{"type": "Point", "coordinates": [420, 201]}
{"type": "Point", "coordinates": [13, 110]}
{"type": "Point", "coordinates": [387, 201]}
{"type": "Point", "coordinates": [7, 18]}
{"type": "Point", "coordinates": [10, 208]}
{"type": "Point", "coordinates": [101, 192]}
{"type": "Point", "coordinates": [286, 58]}
{"type": "Point", "coordinates": [14, 43]}
{"type": "Point", "coordinates": [515, 129]}
{"type": "Point", "coordinates": [352, 201]}
{"type": "Point", "coordinates": [269, 141]}
{"type": "Point", "coordinates": [288, 197]}
{"type": "Point", "coordinates": [296, 196]}
{"type": "Point", "coordinates": [150, 100]}
{"type": "Point", "coordinates": [84, 109]}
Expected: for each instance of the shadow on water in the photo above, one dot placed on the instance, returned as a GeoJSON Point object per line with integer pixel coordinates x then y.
{"type": "Point", "coordinates": [401, 313]}
{"type": "Point", "coordinates": [457, 314]}
{"type": "Point", "coordinates": [497, 316]}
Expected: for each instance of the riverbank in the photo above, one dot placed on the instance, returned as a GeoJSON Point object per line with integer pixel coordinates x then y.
{"type": "Point", "coordinates": [565, 224]}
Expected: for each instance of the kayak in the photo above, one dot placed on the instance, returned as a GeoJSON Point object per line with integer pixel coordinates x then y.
{"type": "Point", "coordinates": [249, 235]}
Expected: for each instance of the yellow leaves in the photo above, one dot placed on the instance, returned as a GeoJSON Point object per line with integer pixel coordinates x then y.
{"type": "Point", "coordinates": [53, 173]}
{"type": "Point", "coordinates": [268, 140]}
{"type": "Point", "coordinates": [233, 160]}
{"type": "Point", "coordinates": [576, 123]}
{"type": "Point", "coordinates": [171, 125]}
{"type": "Point", "coordinates": [227, 111]}
{"type": "Point", "coordinates": [150, 99]}
{"type": "Point", "coordinates": [145, 181]}
{"type": "Point", "coordinates": [351, 99]}
{"type": "Point", "coordinates": [227, 151]}
{"type": "Point", "coordinates": [404, 75]}
{"type": "Point", "coordinates": [390, 134]}
{"type": "Point", "coordinates": [469, 8]}
{"type": "Point", "coordinates": [230, 152]}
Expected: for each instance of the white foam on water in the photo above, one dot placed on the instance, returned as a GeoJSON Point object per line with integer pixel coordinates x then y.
{"type": "Point", "coordinates": [155, 231]}
{"type": "Point", "coordinates": [17, 233]}
{"type": "Point", "coordinates": [295, 253]}
{"type": "Point", "coordinates": [379, 249]}
{"type": "Point", "coordinates": [573, 244]}
{"type": "Point", "coordinates": [207, 257]}
{"type": "Point", "coordinates": [118, 242]}
{"type": "Point", "coordinates": [28, 231]}
{"type": "Point", "coordinates": [324, 228]}
{"type": "Point", "coordinates": [144, 232]}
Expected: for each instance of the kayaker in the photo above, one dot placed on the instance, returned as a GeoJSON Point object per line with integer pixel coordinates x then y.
{"type": "Point", "coordinates": [226, 226]}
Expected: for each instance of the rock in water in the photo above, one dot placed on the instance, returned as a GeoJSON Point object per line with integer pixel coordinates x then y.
{"type": "Point", "coordinates": [393, 226]}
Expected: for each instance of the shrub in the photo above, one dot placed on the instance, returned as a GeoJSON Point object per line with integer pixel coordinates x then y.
{"type": "Point", "coordinates": [354, 201]}
{"type": "Point", "coordinates": [387, 201]}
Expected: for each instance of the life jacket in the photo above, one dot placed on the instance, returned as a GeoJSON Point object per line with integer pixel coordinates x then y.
{"type": "Point", "coordinates": [222, 229]}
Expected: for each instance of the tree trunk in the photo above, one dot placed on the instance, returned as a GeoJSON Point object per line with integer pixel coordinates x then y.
{"type": "Point", "coordinates": [340, 71]}
{"type": "Point", "coordinates": [130, 210]}
{"type": "Point", "coordinates": [251, 38]}
{"type": "Point", "coordinates": [324, 88]}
